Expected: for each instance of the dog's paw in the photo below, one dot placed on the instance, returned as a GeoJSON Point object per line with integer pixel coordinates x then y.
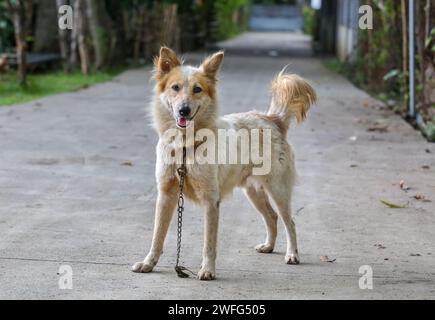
{"type": "Point", "coordinates": [292, 259]}
{"type": "Point", "coordinates": [264, 248]}
{"type": "Point", "coordinates": [206, 275]}
{"type": "Point", "coordinates": [142, 267]}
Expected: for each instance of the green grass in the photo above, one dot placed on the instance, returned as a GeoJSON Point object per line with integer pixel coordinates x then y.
{"type": "Point", "coordinates": [41, 85]}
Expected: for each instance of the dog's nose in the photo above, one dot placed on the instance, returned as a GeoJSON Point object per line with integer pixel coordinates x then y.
{"type": "Point", "coordinates": [185, 110]}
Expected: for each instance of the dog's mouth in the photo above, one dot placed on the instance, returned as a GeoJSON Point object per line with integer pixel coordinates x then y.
{"type": "Point", "coordinates": [184, 122]}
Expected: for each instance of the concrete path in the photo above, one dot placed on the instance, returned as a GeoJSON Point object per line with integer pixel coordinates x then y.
{"type": "Point", "coordinates": [77, 188]}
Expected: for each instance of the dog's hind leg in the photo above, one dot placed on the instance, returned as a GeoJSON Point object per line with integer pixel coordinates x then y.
{"type": "Point", "coordinates": [260, 201]}
{"type": "Point", "coordinates": [166, 202]}
{"type": "Point", "coordinates": [281, 196]}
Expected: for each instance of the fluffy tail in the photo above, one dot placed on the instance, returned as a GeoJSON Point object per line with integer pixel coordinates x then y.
{"type": "Point", "coordinates": [292, 97]}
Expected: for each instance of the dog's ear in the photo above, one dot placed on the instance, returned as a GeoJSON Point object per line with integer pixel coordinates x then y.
{"type": "Point", "coordinates": [165, 62]}
{"type": "Point", "coordinates": [212, 64]}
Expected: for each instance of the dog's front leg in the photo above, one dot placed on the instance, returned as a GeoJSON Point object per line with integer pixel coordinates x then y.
{"type": "Point", "coordinates": [211, 221]}
{"type": "Point", "coordinates": [166, 202]}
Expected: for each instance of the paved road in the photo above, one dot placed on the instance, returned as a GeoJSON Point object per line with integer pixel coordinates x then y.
{"type": "Point", "coordinates": [69, 197]}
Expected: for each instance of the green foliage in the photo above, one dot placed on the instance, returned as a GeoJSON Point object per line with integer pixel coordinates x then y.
{"type": "Point", "coordinates": [392, 74]}
{"type": "Point", "coordinates": [40, 85]}
{"type": "Point", "coordinates": [231, 18]}
{"type": "Point", "coordinates": [310, 20]}
{"type": "Point", "coordinates": [380, 51]}
{"type": "Point", "coordinates": [430, 130]}
{"type": "Point", "coordinates": [274, 1]}
{"type": "Point", "coordinates": [378, 64]}
{"type": "Point", "coordinates": [6, 29]}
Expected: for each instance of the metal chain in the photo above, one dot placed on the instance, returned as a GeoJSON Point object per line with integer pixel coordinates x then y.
{"type": "Point", "coordinates": [180, 209]}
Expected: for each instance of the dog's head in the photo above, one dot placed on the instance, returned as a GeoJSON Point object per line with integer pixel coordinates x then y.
{"type": "Point", "coordinates": [187, 93]}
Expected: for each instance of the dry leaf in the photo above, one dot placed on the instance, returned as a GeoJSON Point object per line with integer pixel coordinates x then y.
{"type": "Point", "coordinates": [415, 255]}
{"type": "Point", "coordinates": [426, 167]}
{"type": "Point", "coordinates": [403, 186]}
{"type": "Point", "coordinates": [326, 259]}
{"type": "Point", "coordinates": [392, 205]}
{"type": "Point", "coordinates": [380, 246]}
{"type": "Point", "coordinates": [127, 163]}
{"type": "Point", "coordinates": [421, 197]}
{"type": "Point", "coordinates": [381, 129]}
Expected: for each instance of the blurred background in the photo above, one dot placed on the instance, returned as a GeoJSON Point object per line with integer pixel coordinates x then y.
{"type": "Point", "coordinates": [37, 58]}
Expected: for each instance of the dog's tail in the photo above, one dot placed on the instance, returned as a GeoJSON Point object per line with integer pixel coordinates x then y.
{"type": "Point", "coordinates": [292, 97]}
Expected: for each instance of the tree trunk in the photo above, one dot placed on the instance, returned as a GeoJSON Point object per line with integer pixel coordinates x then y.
{"type": "Point", "coordinates": [64, 41]}
{"type": "Point", "coordinates": [140, 21]}
{"type": "Point", "coordinates": [420, 42]}
{"type": "Point", "coordinates": [117, 32]}
{"type": "Point", "coordinates": [45, 40]}
{"type": "Point", "coordinates": [80, 25]}
{"type": "Point", "coordinates": [18, 15]}
{"type": "Point", "coordinates": [73, 40]}
{"type": "Point", "coordinates": [100, 31]}
{"type": "Point", "coordinates": [404, 50]}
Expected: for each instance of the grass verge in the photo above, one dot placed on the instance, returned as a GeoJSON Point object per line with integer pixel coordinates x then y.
{"type": "Point", "coordinates": [54, 82]}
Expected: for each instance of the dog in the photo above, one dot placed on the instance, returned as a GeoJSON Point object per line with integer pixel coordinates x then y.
{"type": "Point", "coordinates": [186, 95]}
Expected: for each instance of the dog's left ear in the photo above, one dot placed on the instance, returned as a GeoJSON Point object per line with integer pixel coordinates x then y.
{"type": "Point", "coordinates": [212, 64]}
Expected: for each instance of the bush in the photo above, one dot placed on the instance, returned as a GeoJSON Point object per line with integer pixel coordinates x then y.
{"type": "Point", "coordinates": [309, 15]}
{"type": "Point", "coordinates": [231, 17]}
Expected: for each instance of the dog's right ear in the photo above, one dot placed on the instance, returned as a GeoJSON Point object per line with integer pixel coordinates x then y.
{"type": "Point", "coordinates": [165, 62]}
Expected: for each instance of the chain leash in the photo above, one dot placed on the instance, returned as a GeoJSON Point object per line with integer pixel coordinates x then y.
{"type": "Point", "coordinates": [182, 171]}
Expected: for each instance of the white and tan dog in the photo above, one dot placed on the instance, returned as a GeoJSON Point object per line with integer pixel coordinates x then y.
{"type": "Point", "coordinates": [185, 95]}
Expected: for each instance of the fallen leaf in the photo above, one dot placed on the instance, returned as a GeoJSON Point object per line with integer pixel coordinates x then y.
{"type": "Point", "coordinates": [403, 186]}
{"type": "Point", "coordinates": [415, 255]}
{"type": "Point", "coordinates": [380, 246]}
{"type": "Point", "coordinates": [353, 165]}
{"type": "Point", "coordinates": [380, 129]}
{"type": "Point", "coordinates": [426, 167]}
{"type": "Point", "coordinates": [421, 197]}
{"type": "Point", "coordinates": [392, 205]}
{"type": "Point", "coordinates": [326, 259]}
{"type": "Point", "coordinates": [127, 163]}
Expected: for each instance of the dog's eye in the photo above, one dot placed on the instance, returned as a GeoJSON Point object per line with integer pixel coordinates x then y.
{"type": "Point", "coordinates": [197, 90]}
{"type": "Point", "coordinates": [176, 87]}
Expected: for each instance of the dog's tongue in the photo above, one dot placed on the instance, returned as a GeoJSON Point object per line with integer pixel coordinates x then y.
{"type": "Point", "coordinates": [182, 122]}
